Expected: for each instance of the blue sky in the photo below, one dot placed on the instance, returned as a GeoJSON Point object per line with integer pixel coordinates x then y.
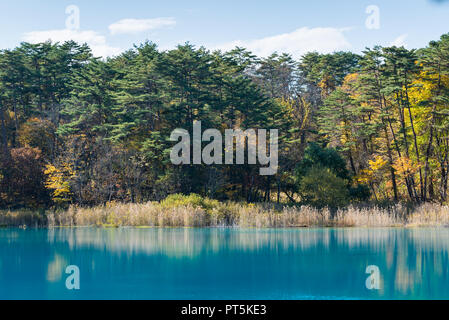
{"type": "Point", "coordinates": [293, 26]}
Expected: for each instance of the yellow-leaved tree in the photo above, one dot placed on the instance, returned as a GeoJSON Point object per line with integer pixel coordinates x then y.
{"type": "Point", "coordinates": [58, 181]}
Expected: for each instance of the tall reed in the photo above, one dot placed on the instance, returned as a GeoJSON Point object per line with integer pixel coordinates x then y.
{"type": "Point", "coordinates": [194, 211]}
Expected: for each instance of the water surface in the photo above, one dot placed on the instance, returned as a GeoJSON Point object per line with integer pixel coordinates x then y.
{"type": "Point", "coordinates": [224, 263]}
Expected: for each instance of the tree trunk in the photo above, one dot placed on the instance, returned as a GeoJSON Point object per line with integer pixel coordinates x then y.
{"type": "Point", "coordinates": [4, 137]}
{"type": "Point", "coordinates": [390, 159]}
{"type": "Point", "coordinates": [415, 140]}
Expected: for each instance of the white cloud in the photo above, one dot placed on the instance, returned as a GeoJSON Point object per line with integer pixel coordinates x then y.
{"type": "Point", "coordinates": [96, 41]}
{"type": "Point", "coordinates": [400, 41]}
{"type": "Point", "coordinates": [126, 26]}
{"type": "Point", "coordinates": [296, 43]}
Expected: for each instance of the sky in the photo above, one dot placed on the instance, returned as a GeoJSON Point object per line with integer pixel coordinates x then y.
{"type": "Point", "coordinates": [291, 26]}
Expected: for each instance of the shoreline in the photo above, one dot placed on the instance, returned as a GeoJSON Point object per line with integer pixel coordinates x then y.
{"type": "Point", "coordinates": [433, 227]}
{"type": "Point", "coordinates": [203, 212]}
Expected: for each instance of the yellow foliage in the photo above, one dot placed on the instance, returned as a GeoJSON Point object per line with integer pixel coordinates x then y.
{"type": "Point", "coordinates": [348, 84]}
{"type": "Point", "coordinates": [297, 110]}
{"type": "Point", "coordinates": [37, 133]}
{"type": "Point", "coordinates": [375, 167]}
{"type": "Point", "coordinates": [364, 176]}
{"type": "Point", "coordinates": [420, 93]}
{"type": "Point", "coordinates": [378, 164]}
{"type": "Point", "coordinates": [405, 167]}
{"type": "Point", "coordinates": [58, 181]}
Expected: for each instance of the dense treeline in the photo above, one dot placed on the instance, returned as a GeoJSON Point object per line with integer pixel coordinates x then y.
{"type": "Point", "coordinates": [78, 129]}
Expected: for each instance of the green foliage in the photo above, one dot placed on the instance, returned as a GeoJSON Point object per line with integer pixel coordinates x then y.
{"type": "Point", "coordinates": [323, 157]}
{"type": "Point", "coordinates": [360, 193]}
{"type": "Point", "coordinates": [379, 118]}
{"type": "Point", "coordinates": [193, 200]}
{"type": "Point", "coordinates": [321, 187]}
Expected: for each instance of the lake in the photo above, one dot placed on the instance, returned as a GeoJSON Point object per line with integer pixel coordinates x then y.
{"type": "Point", "coordinates": [225, 263]}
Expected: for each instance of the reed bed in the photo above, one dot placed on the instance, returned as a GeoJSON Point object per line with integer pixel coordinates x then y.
{"type": "Point", "coordinates": [20, 218]}
{"type": "Point", "coordinates": [194, 211]}
{"type": "Point", "coordinates": [429, 215]}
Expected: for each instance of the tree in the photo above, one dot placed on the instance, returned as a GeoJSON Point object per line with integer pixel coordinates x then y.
{"type": "Point", "coordinates": [23, 185]}
{"type": "Point", "coordinates": [321, 187]}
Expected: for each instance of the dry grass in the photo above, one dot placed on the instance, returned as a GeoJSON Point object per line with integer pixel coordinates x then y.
{"type": "Point", "coordinates": [116, 215]}
{"type": "Point", "coordinates": [371, 217]}
{"type": "Point", "coordinates": [429, 215]}
{"type": "Point", "coordinates": [22, 218]}
{"type": "Point", "coordinates": [304, 216]}
{"type": "Point", "coordinates": [194, 211]}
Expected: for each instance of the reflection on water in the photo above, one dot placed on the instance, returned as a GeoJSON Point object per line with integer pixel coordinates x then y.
{"type": "Point", "coordinates": [224, 263]}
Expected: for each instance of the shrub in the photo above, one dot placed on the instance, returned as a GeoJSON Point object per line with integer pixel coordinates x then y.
{"type": "Point", "coordinates": [321, 187]}
{"type": "Point", "coordinates": [193, 200]}
{"type": "Point", "coordinates": [360, 193]}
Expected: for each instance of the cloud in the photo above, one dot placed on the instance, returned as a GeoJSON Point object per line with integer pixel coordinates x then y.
{"type": "Point", "coordinates": [126, 26]}
{"type": "Point", "coordinates": [399, 41]}
{"type": "Point", "coordinates": [296, 43]}
{"type": "Point", "coordinates": [96, 41]}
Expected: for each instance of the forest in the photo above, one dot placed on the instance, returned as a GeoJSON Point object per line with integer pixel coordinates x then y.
{"type": "Point", "coordinates": [353, 128]}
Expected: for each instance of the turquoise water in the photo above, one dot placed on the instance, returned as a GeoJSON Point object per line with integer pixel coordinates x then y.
{"type": "Point", "coordinates": [224, 263]}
